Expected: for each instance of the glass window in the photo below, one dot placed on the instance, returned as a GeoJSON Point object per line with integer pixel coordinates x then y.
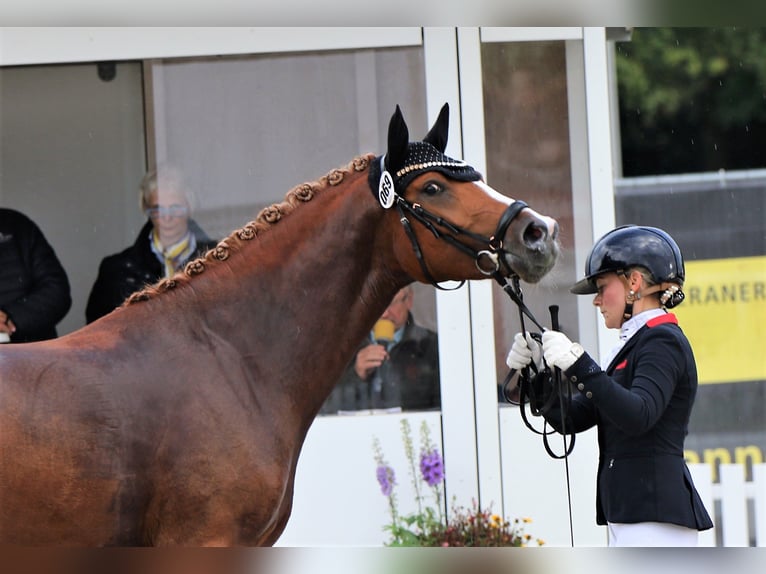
{"type": "Point", "coordinates": [527, 135]}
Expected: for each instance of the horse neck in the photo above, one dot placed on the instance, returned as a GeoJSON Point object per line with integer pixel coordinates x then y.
{"type": "Point", "coordinates": [301, 296]}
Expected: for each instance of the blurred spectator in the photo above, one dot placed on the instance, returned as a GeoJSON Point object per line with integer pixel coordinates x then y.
{"type": "Point", "coordinates": [167, 241]}
{"type": "Point", "coordinates": [395, 368]}
{"type": "Point", "coordinates": [34, 288]}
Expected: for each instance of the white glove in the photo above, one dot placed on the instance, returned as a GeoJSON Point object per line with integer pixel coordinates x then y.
{"type": "Point", "coordinates": [523, 352]}
{"type": "Point", "coordinates": [559, 351]}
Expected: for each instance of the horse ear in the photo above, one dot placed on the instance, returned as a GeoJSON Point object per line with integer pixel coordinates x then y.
{"type": "Point", "coordinates": [437, 137]}
{"type": "Point", "coordinates": [398, 140]}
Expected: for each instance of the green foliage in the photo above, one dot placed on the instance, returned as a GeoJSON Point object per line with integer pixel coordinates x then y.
{"type": "Point", "coordinates": [429, 526]}
{"type": "Point", "coordinates": [692, 99]}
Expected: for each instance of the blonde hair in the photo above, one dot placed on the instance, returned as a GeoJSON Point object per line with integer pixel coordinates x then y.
{"type": "Point", "coordinates": [166, 176]}
{"type": "Point", "coordinates": [645, 273]}
{"type": "Point", "coordinates": [669, 293]}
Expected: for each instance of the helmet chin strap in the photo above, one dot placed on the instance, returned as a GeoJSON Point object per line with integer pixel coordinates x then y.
{"type": "Point", "coordinates": [630, 297]}
{"type": "Point", "coordinates": [628, 312]}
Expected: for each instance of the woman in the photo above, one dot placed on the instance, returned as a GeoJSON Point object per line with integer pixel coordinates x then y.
{"type": "Point", "coordinates": [642, 401]}
{"type": "Point", "coordinates": [166, 242]}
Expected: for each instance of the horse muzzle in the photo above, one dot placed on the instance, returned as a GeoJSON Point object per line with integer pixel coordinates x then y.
{"type": "Point", "coordinates": [525, 243]}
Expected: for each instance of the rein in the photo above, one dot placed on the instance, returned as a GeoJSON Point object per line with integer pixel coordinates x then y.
{"type": "Point", "coordinates": [536, 387]}
{"type": "Point", "coordinates": [540, 388]}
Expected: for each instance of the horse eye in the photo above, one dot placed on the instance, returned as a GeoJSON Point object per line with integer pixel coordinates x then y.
{"type": "Point", "coordinates": [432, 188]}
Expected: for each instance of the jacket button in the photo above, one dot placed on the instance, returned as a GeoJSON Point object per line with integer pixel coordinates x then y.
{"type": "Point", "coordinates": [581, 387]}
{"type": "Point", "coordinates": [573, 378]}
{"type": "Point", "coordinates": [588, 395]}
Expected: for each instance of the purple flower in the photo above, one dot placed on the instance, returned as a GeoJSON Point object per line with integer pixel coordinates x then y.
{"type": "Point", "coordinates": [386, 479]}
{"type": "Point", "coordinates": [432, 467]}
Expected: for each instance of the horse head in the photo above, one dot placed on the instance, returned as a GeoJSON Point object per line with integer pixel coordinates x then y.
{"type": "Point", "coordinates": [441, 200]}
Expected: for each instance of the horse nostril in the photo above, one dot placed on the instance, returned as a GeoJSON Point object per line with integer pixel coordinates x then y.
{"type": "Point", "coordinates": [535, 233]}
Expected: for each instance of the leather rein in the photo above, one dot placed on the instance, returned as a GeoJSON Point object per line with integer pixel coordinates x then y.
{"type": "Point", "coordinates": [549, 384]}
{"type": "Point", "coordinates": [489, 262]}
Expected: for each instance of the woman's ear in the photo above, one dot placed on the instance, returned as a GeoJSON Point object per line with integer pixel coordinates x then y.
{"type": "Point", "coordinates": [636, 280]}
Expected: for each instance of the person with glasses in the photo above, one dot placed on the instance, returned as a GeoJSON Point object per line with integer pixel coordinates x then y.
{"type": "Point", "coordinates": [168, 240]}
{"type": "Point", "coordinates": [396, 368]}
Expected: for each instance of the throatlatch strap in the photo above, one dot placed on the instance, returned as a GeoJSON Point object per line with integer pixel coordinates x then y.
{"type": "Point", "coordinates": [416, 247]}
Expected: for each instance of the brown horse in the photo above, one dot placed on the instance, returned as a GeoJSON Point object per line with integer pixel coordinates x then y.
{"type": "Point", "coordinates": [178, 418]}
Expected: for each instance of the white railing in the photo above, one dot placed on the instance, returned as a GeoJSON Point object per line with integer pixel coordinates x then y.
{"type": "Point", "coordinates": [737, 523]}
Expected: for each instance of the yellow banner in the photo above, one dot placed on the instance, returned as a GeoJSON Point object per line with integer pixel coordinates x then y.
{"type": "Point", "coordinates": [724, 317]}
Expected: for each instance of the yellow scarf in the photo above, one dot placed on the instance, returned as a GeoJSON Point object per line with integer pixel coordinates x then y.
{"type": "Point", "coordinates": [174, 256]}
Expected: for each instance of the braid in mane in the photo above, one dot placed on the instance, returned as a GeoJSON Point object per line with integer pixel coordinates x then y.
{"type": "Point", "coordinates": [267, 217]}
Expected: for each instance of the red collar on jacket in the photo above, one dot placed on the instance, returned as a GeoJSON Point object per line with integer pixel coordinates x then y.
{"type": "Point", "coordinates": [666, 318]}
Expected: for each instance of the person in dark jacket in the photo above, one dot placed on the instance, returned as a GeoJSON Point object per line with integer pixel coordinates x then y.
{"type": "Point", "coordinates": [394, 370]}
{"type": "Point", "coordinates": [34, 288]}
{"type": "Point", "coordinates": [642, 399]}
{"type": "Point", "coordinates": [167, 241]}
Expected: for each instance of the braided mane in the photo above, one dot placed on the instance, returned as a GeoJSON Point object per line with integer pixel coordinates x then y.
{"type": "Point", "coordinates": [267, 217]}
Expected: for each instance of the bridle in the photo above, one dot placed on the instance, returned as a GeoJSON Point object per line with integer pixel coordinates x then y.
{"type": "Point", "coordinates": [488, 260]}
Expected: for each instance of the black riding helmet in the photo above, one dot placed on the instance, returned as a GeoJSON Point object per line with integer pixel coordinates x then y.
{"type": "Point", "coordinates": [628, 246]}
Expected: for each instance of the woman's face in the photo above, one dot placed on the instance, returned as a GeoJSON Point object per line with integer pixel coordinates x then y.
{"type": "Point", "coordinates": [169, 212]}
{"type": "Point", "coordinates": [610, 299]}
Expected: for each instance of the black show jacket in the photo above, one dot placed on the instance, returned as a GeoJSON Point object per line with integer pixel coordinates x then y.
{"type": "Point", "coordinates": [641, 406]}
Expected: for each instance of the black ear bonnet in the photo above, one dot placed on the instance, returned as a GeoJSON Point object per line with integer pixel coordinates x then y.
{"type": "Point", "coordinates": [406, 160]}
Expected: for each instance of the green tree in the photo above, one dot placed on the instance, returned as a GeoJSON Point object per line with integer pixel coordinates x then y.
{"type": "Point", "coordinates": [692, 99]}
